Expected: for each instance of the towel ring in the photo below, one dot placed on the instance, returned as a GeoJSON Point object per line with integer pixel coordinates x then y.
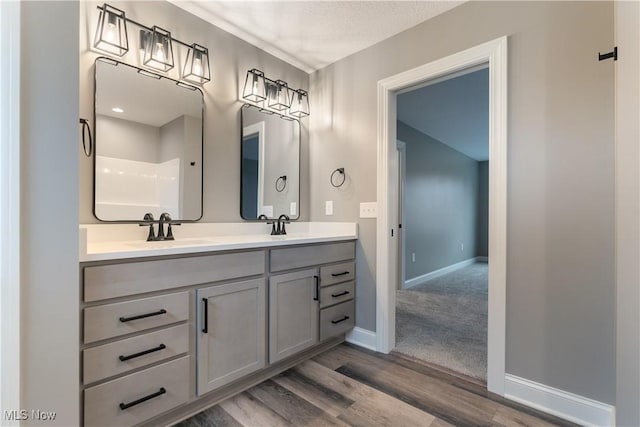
{"type": "Point", "coordinates": [282, 178]}
{"type": "Point", "coordinates": [341, 172]}
{"type": "Point", "coordinates": [86, 127]}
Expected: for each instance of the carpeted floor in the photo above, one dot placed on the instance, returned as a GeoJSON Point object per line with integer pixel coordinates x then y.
{"type": "Point", "coordinates": [444, 321]}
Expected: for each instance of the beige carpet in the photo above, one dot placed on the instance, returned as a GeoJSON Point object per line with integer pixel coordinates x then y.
{"type": "Point", "coordinates": [444, 321]}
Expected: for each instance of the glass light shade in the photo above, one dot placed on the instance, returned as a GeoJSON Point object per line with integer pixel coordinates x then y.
{"type": "Point", "coordinates": [196, 67]}
{"type": "Point", "coordinates": [254, 88]}
{"type": "Point", "coordinates": [279, 95]}
{"type": "Point", "coordinates": [299, 103]}
{"type": "Point", "coordinates": [111, 33]}
{"type": "Point", "coordinates": [158, 53]}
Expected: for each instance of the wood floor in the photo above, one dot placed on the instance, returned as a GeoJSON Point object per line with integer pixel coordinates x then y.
{"type": "Point", "coordinates": [349, 386]}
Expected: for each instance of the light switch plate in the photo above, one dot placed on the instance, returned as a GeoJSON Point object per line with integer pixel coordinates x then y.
{"type": "Point", "coordinates": [293, 209]}
{"type": "Point", "coordinates": [369, 210]}
{"type": "Point", "coordinates": [328, 207]}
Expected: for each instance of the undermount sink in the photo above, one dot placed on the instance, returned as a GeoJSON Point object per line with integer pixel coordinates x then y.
{"type": "Point", "coordinates": [164, 244]}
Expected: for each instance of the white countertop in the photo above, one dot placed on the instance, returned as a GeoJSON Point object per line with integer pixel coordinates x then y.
{"type": "Point", "coordinates": [99, 242]}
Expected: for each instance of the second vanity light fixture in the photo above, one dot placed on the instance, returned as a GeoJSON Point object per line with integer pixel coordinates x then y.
{"type": "Point", "coordinates": [157, 43]}
{"type": "Point", "coordinates": [276, 94]}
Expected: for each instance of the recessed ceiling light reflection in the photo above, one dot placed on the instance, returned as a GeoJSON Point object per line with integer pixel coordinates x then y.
{"type": "Point", "coordinates": [117, 110]}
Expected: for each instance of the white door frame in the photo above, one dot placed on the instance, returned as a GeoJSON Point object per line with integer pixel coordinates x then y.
{"type": "Point", "coordinates": [495, 54]}
{"type": "Point", "coordinates": [10, 209]}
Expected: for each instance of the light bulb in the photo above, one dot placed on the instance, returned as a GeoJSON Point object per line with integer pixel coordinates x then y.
{"type": "Point", "coordinates": [254, 90]}
{"type": "Point", "coordinates": [197, 64]}
{"type": "Point", "coordinates": [110, 34]}
{"type": "Point", "coordinates": [159, 54]}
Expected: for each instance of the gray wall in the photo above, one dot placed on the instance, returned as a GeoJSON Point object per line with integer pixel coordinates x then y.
{"type": "Point", "coordinates": [560, 279]}
{"type": "Point", "coordinates": [230, 60]}
{"type": "Point", "coordinates": [441, 203]}
{"type": "Point", "coordinates": [49, 211]}
{"type": "Point", "coordinates": [482, 243]}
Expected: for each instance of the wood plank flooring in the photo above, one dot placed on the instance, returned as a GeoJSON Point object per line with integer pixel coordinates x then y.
{"type": "Point", "coordinates": [349, 386]}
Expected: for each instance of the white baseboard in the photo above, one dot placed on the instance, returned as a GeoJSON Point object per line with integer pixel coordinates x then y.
{"type": "Point", "coordinates": [437, 273]}
{"type": "Point", "coordinates": [571, 407]}
{"type": "Point", "coordinates": [482, 259]}
{"type": "Point", "coordinates": [362, 338]}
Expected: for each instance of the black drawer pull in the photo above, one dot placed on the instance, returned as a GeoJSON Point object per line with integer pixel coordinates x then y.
{"type": "Point", "coordinates": [316, 296]}
{"type": "Point", "coordinates": [142, 316]}
{"type": "Point", "coordinates": [339, 274]}
{"type": "Point", "coordinates": [142, 353]}
{"type": "Point", "coordinates": [340, 320]}
{"type": "Point", "coordinates": [205, 321]}
{"type": "Point", "coordinates": [340, 294]}
{"type": "Point", "coordinates": [160, 392]}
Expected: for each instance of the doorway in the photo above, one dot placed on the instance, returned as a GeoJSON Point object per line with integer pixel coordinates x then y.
{"type": "Point", "coordinates": [493, 53]}
{"type": "Point", "coordinates": [441, 303]}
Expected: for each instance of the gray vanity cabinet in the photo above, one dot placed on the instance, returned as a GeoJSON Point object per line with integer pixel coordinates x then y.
{"type": "Point", "coordinates": [231, 332]}
{"type": "Point", "coordinates": [293, 313]}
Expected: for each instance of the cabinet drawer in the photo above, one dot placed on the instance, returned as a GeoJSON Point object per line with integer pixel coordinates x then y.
{"type": "Point", "coordinates": [337, 319]}
{"type": "Point", "coordinates": [114, 403]}
{"type": "Point", "coordinates": [112, 320]}
{"type": "Point", "coordinates": [117, 280]}
{"type": "Point", "coordinates": [330, 295]}
{"type": "Point", "coordinates": [337, 273]}
{"type": "Point", "coordinates": [305, 256]}
{"type": "Point", "coordinates": [105, 361]}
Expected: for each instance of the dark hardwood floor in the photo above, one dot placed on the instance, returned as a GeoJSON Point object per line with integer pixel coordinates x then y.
{"type": "Point", "coordinates": [349, 386]}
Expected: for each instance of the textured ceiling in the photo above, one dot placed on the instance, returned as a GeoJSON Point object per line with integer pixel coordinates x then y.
{"type": "Point", "coordinates": [313, 34]}
{"type": "Point", "coordinates": [453, 111]}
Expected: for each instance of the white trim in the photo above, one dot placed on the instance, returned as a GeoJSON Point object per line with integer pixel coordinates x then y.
{"type": "Point", "coordinates": [439, 272]}
{"type": "Point", "coordinates": [482, 259]}
{"type": "Point", "coordinates": [362, 338]}
{"type": "Point", "coordinates": [495, 54]}
{"type": "Point", "coordinates": [569, 406]}
{"type": "Point", "coordinates": [10, 208]}
{"type": "Point", "coordinates": [402, 236]}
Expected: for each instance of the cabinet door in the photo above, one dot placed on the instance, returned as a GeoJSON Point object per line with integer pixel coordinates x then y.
{"type": "Point", "coordinates": [293, 313]}
{"type": "Point", "coordinates": [231, 332]}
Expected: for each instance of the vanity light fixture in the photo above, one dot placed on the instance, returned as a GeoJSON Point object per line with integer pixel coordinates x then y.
{"type": "Point", "coordinates": [111, 34]}
{"type": "Point", "coordinates": [158, 53]}
{"type": "Point", "coordinates": [156, 45]}
{"type": "Point", "coordinates": [196, 67]}
{"type": "Point", "coordinates": [277, 94]}
{"type": "Point", "coordinates": [299, 103]}
{"type": "Point", "coordinates": [254, 86]}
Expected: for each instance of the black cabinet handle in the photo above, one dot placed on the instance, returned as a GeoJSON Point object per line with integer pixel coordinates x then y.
{"type": "Point", "coordinates": [142, 353]}
{"type": "Point", "coordinates": [317, 292]}
{"type": "Point", "coordinates": [160, 392]}
{"type": "Point", "coordinates": [340, 320]}
{"type": "Point", "coordinates": [205, 326]}
{"type": "Point", "coordinates": [142, 316]}
{"type": "Point", "coordinates": [340, 294]}
{"type": "Point", "coordinates": [339, 274]}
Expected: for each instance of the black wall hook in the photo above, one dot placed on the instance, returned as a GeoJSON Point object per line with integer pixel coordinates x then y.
{"type": "Point", "coordinates": [613, 54]}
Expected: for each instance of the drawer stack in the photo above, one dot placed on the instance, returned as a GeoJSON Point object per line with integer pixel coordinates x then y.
{"type": "Point", "coordinates": [337, 305]}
